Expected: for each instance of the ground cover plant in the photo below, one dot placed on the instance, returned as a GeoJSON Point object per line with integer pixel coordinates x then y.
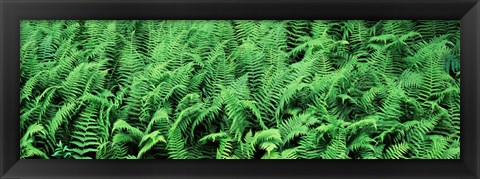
{"type": "Point", "coordinates": [283, 89]}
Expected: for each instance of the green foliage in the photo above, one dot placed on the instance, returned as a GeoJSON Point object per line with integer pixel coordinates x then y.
{"type": "Point", "coordinates": [297, 89]}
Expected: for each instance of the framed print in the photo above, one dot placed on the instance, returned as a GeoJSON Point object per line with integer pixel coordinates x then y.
{"type": "Point", "coordinates": [244, 89]}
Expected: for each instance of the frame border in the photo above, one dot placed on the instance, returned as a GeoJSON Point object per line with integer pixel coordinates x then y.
{"type": "Point", "coordinates": [12, 11]}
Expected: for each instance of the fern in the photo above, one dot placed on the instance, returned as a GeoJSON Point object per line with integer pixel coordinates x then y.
{"type": "Point", "coordinates": [240, 89]}
{"type": "Point", "coordinates": [27, 142]}
{"type": "Point", "coordinates": [84, 138]}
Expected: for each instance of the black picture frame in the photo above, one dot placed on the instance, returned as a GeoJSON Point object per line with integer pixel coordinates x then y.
{"type": "Point", "coordinates": [12, 11]}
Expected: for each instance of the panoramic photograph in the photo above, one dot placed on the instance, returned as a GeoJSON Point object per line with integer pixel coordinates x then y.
{"type": "Point", "coordinates": [239, 89]}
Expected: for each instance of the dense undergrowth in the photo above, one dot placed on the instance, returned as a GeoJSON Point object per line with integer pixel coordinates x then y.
{"type": "Point", "coordinates": [325, 89]}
